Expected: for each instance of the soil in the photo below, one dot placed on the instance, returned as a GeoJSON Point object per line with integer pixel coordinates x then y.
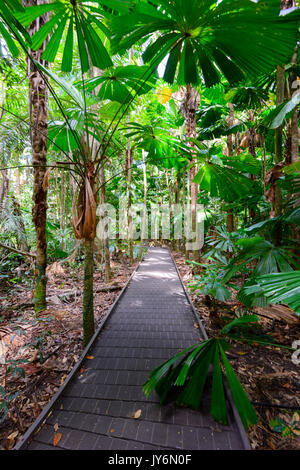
{"type": "Point", "coordinates": [267, 373]}
{"type": "Point", "coordinates": [42, 350]}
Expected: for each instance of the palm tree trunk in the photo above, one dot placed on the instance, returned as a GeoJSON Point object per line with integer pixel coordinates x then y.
{"type": "Point", "coordinates": [177, 200]}
{"type": "Point", "coordinates": [21, 233]}
{"type": "Point", "coordinates": [38, 103]}
{"type": "Point", "coordinates": [280, 89]}
{"type": "Point", "coordinates": [144, 222]}
{"type": "Point", "coordinates": [294, 131]}
{"type": "Point", "coordinates": [4, 188]}
{"type": "Point", "coordinates": [191, 104]}
{"type": "Point", "coordinates": [105, 240]}
{"type": "Point", "coordinates": [88, 295]}
{"type": "Point", "coordinates": [63, 207]}
{"type": "Point", "coordinates": [129, 201]}
{"type": "Point", "coordinates": [230, 120]}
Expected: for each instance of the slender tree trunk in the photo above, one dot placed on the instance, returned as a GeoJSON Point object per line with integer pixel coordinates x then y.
{"type": "Point", "coordinates": [188, 212]}
{"type": "Point", "coordinates": [144, 221]}
{"type": "Point", "coordinates": [18, 191]}
{"type": "Point", "coordinates": [105, 241]}
{"type": "Point", "coordinates": [129, 202]}
{"type": "Point", "coordinates": [129, 161]}
{"type": "Point", "coordinates": [171, 214]}
{"type": "Point", "coordinates": [294, 85]}
{"type": "Point", "coordinates": [183, 205]}
{"type": "Point", "coordinates": [191, 104]}
{"type": "Point", "coordinates": [252, 150]}
{"type": "Point", "coordinates": [21, 233]}
{"type": "Point", "coordinates": [230, 120]}
{"type": "Point", "coordinates": [4, 188]}
{"type": "Point", "coordinates": [38, 103]}
{"type": "Point", "coordinates": [177, 200]}
{"type": "Point", "coordinates": [88, 295]}
{"type": "Point", "coordinates": [63, 207]}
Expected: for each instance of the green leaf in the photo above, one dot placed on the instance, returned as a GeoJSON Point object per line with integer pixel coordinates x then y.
{"type": "Point", "coordinates": [243, 405]}
{"type": "Point", "coordinates": [241, 321]}
{"type": "Point", "coordinates": [218, 407]}
{"type": "Point", "coordinates": [67, 59]}
{"type": "Point", "coordinates": [187, 364]}
{"type": "Point", "coordinates": [222, 182]}
{"type": "Point", "coordinates": [159, 372]}
{"type": "Point", "coordinates": [52, 47]}
{"type": "Point", "coordinates": [192, 392]}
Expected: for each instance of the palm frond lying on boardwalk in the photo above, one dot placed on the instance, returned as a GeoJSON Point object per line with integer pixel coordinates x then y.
{"type": "Point", "coordinates": [193, 369]}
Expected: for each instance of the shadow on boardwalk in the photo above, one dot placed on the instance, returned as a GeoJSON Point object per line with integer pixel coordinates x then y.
{"type": "Point", "coordinates": [152, 321]}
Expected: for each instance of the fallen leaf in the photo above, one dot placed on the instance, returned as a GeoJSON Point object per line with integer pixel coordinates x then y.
{"type": "Point", "coordinates": [137, 414]}
{"type": "Point", "coordinates": [13, 435]}
{"type": "Point", "coordinates": [57, 438]}
{"type": "Point", "coordinates": [241, 353]}
{"type": "Point", "coordinates": [196, 325]}
{"type": "Point", "coordinates": [56, 426]}
{"type": "Point", "coordinates": [286, 385]}
{"type": "Point", "coordinates": [90, 357]}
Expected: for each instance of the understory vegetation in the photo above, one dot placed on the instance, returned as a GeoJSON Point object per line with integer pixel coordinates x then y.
{"type": "Point", "coordinates": [114, 113]}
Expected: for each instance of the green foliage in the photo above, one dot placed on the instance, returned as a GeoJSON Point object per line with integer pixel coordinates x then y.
{"type": "Point", "coordinates": [283, 287]}
{"type": "Point", "coordinates": [202, 36]}
{"type": "Point", "coordinates": [81, 16]}
{"type": "Point", "coordinates": [270, 258]}
{"type": "Point", "coordinates": [189, 371]}
{"type": "Point", "coordinates": [221, 241]}
{"type": "Point", "coordinates": [10, 27]}
{"type": "Point", "coordinates": [211, 281]}
{"type": "Point", "coordinates": [6, 399]}
{"type": "Point", "coordinates": [287, 427]}
{"type": "Point", "coordinates": [119, 83]}
{"type": "Point", "coordinates": [223, 182]}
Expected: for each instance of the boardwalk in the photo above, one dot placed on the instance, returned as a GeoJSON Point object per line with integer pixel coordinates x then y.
{"type": "Point", "coordinates": [152, 321]}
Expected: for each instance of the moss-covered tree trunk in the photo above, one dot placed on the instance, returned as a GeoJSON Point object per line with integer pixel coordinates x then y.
{"type": "Point", "coordinates": [38, 113]}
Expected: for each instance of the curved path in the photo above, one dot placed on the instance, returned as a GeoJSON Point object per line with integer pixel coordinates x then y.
{"type": "Point", "coordinates": [151, 321]}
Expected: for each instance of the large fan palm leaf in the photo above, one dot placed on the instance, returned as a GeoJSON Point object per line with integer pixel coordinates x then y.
{"type": "Point", "coordinates": [232, 36]}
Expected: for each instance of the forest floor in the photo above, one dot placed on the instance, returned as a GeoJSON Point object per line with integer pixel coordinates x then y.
{"type": "Point", "coordinates": [41, 351]}
{"type": "Point", "coordinates": [267, 373]}
{"type": "Point", "coordinates": [47, 347]}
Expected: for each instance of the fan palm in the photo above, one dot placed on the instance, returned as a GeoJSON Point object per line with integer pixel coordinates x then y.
{"type": "Point", "coordinates": [84, 17]}
{"type": "Point", "coordinates": [231, 36]}
{"type": "Point", "coordinates": [278, 288]}
{"type": "Point", "coordinates": [203, 40]}
{"type": "Point", "coordinates": [9, 25]}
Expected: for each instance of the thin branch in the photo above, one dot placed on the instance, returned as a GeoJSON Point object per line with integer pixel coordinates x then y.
{"type": "Point", "coordinates": [24, 253]}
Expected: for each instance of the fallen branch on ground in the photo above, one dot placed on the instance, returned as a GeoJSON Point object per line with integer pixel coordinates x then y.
{"type": "Point", "coordinates": [24, 253]}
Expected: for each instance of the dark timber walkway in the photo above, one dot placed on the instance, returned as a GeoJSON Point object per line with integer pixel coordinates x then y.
{"type": "Point", "coordinates": [152, 321]}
